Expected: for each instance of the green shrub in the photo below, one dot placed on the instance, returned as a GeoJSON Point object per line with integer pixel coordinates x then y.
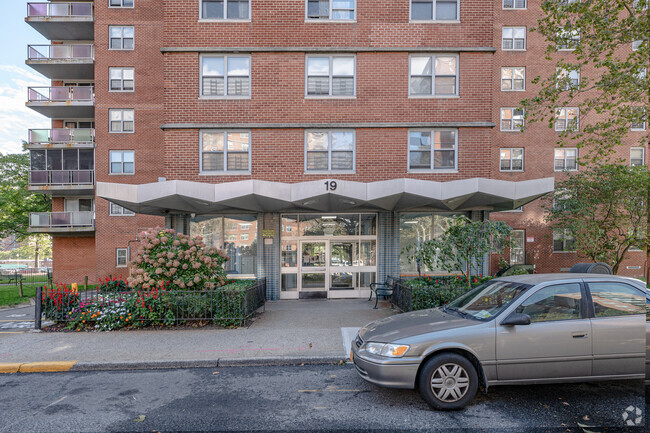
{"type": "Point", "coordinates": [432, 292]}
{"type": "Point", "coordinates": [113, 285]}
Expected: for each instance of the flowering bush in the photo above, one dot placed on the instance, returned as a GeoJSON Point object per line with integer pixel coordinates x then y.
{"type": "Point", "coordinates": [58, 301]}
{"type": "Point", "coordinates": [113, 285]}
{"type": "Point", "coordinates": [165, 255]}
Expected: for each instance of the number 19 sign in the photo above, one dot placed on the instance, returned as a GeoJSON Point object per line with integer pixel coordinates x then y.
{"type": "Point", "coordinates": [330, 185]}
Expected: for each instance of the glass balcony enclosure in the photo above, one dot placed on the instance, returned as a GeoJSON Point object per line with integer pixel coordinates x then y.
{"type": "Point", "coordinates": [61, 137]}
{"type": "Point", "coordinates": [62, 167]}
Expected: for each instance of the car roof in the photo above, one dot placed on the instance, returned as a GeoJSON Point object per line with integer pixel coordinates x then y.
{"type": "Point", "coordinates": [534, 279]}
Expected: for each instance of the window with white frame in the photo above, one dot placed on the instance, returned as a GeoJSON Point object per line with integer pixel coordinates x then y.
{"type": "Point", "coordinates": [121, 257]}
{"type": "Point", "coordinates": [637, 156]}
{"type": "Point", "coordinates": [567, 79]}
{"type": "Point", "coordinates": [638, 122]}
{"type": "Point", "coordinates": [512, 159]}
{"type": "Point", "coordinates": [121, 79]}
{"type": "Point", "coordinates": [225, 9]}
{"type": "Point", "coordinates": [512, 119]}
{"type": "Point", "coordinates": [433, 75]}
{"type": "Point", "coordinates": [513, 78]}
{"type": "Point", "coordinates": [514, 4]}
{"type": "Point", "coordinates": [565, 159]}
{"type": "Point", "coordinates": [434, 10]}
{"type": "Point", "coordinates": [117, 210]}
{"type": "Point", "coordinates": [121, 120]}
{"type": "Point", "coordinates": [563, 241]}
{"type": "Point", "coordinates": [122, 161]}
{"type": "Point", "coordinates": [121, 37]}
{"type": "Point", "coordinates": [225, 151]}
{"type": "Point", "coordinates": [344, 10]}
{"type": "Point", "coordinates": [331, 75]}
{"type": "Point", "coordinates": [433, 149]}
{"type": "Point", "coordinates": [225, 76]}
{"type": "Point", "coordinates": [567, 119]}
{"type": "Point", "coordinates": [243, 236]}
{"type": "Point", "coordinates": [518, 247]}
{"type": "Point", "coordinates": [329, 150]}
{"type": "Point", "coordinates": [245, 226]}
{"type": "Point", "coordinates": [513, 38]}
{"type": "Point", "coordinates": [568, 40]}
{"type": "Point", "coordinates": [561, 198]}
{"type": "Point", "coordinates": [120, 3]}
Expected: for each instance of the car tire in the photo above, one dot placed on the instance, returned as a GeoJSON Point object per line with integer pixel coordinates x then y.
{"type": "Point", "coordinates": [448, 381]}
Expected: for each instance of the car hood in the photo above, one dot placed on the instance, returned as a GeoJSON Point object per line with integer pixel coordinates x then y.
{"type": "Point", "coordinates": [400, 326]}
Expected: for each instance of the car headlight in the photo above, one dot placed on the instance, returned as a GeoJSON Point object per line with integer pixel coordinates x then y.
{"type": "Point", "coordinates": [386, 349]}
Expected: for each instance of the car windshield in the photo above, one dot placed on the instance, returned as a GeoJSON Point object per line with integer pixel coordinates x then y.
{"type": "Point", "coordinates": [487, 300]}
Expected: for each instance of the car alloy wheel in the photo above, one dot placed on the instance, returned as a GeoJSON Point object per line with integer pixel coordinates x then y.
{"type": "Point", "coordinates": [449, 383]}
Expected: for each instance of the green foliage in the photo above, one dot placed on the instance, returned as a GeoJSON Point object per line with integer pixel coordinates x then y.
{"type": "Point", "coordinates": [463, 240]}
{"type": "Point", "coordinates": [516, 271]}
{"type": "Point", "coordinates": [16, 201]}
{"type": "Point", "coordinates": [432, 292]}
{"type": "Point", "coordinates": [165, 255]}
{"type": "Point", "coordinates": [113, 285]}
{"type": "Point", "coordinates": [613, 94]}
{"type": "Point", "coordinates": [605, 207]}
{"type": "Point", "coordinates": [59, 301]}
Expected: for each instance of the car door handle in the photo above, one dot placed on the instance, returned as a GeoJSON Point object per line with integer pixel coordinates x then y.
{"type": "Point", "coordinates": [579, 334]}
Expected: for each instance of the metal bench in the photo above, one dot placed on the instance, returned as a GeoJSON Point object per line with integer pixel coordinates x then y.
{"type": "Point", "coordinates": [382, 289]}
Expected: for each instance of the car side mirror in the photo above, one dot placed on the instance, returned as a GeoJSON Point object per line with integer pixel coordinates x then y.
{"type": "Point", "coordinates": [516, 319]}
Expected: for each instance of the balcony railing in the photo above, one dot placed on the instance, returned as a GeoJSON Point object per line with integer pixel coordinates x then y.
{"type": "Point", "coordinates": [60, 9]}
{"type": "Point", "coordinates": [61, 177]}
{"type": "Point", "coordinates": [61, 220]}
{"type": "Point", "coordinates": [61, 94]}
{"type": "Point", "coordinates": [60, 52]}
{"type": "Point", "coordinates": [74, 136]}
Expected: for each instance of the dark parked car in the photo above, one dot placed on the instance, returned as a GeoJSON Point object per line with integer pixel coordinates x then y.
{"type": "Point", "coordinates": [522, 329]}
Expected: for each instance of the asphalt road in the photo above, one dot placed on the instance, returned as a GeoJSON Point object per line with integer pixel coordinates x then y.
{"type": "Point", "coordinates": [307, 398]}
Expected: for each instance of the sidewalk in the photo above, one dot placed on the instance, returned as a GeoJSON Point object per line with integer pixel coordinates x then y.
{"type": "Point", "coordinates": [289, 332]}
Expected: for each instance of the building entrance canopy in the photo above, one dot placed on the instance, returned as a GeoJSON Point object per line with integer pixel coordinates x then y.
{"type": "Point", "coordinates": [325, 195]}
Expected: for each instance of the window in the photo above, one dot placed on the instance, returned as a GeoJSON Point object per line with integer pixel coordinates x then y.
{"type": "Point", "coordinates": [568, 40]}
{"type": "Point", "coordinates": [518, 247]}
{"type": "Point", "coordinates": [228, 76]}
{"type": "Point", "coordinates": [566, 159]}
{"type": "Point", "coordinates": [513, 38]}
{"type": "Point", "coordinates": [64, 160]}
{"type": "Point", "coordinates": [513, 78]}
{"type": "Point", "coordinates": [512, 159]}
{"type": "Point", "coordinates": [245, 226]}
{"type": "Point", "coordinates": [331, 10]}
{"type": "Point", "coordinates": [616, 299]}
{"type": "Point", "coordinates": [243, 237]}
{"type": "Point", "coordinates": [329, 151]}
{"type": "Point", "coordinates": [559, 302]}
{"type": "Point", "coordinates": [121, 37]}
{"type": "Point", "coordinates": [121, 120]}
{"type": "Point", "coordinates": [637, 156]}
{"type": "Point", "coordinates": [434, 10]}
{"type": "Point", "coordinates": [567, 80]}
{"type": "Point", "coordinates": [561, 198]}
{"type": "Point", "coordinates": [566, 119]}
{"type": "Point", "coordinates": [117, 210]}
{"type": "Point", "coordinates": [121, 79]}
{"type": "Point", "coordinates": [120, 3]}
{"type": "Point", "coordinates": [233, 9]}
{"type": "Point", "coordinates": [563, 241]}
{"type": "Point", "coordinates": [331, 75]}
{"type": "Point", "coordinates": [514, 4]}
{"type": "Point", "coordinates": [225, 151]}
{"type": "Point", "coordinates": [121, 257]}
{"type": "Point", "coordinates": [512, 119]}
{"type": "Point", "coordinates": [638, 123]}
{"type": "Point", "coordinates": [122, 161]}
{"type": "Point", "coordinates": [443, 154]}
{"type": "Point", "coordinates": [435, 75]}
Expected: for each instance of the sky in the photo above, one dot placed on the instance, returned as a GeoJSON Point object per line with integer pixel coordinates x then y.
{"type": "Point", "coordinates": [15, 77]}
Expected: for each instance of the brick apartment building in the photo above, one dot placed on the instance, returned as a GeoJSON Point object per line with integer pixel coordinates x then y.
{"type": "Point", "coordinates": [312, 140]}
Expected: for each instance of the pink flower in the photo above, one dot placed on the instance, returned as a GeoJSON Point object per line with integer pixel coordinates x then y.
{"type": "Point", "coordinates": [170, 255]}
{"type": "Point", "coordinates": [159, 271]}
{"type": "Point", "coordinates": [185, 266]}
{"type": "Point", "coordinates": [176, 242]}
{"type": "Point", "coordinates": [197, 279]}
{"type": "Point", "coordinates": [164, 239]}
{"type": "Point", "coordinates": [190, 243]}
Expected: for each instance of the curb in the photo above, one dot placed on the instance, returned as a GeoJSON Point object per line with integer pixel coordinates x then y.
{"type": "Point", "coordinates": [77, 366]}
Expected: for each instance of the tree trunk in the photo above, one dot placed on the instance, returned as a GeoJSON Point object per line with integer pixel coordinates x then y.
{"type": "Point", "coordinates": [36, 251]}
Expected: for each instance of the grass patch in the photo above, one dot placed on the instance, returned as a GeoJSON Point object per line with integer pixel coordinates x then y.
{"type": "Point", "coordinates": [9, 294]}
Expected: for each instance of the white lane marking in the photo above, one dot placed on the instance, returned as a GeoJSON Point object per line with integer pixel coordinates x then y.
{"type": "Point", "coordinates": [55, 402]}
{"type": "Point", "coordinates": [348, 335]}
{"type": "Point", "coordinates": [17, 315]}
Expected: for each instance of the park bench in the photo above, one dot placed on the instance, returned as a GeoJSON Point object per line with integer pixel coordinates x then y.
{"type": "Point", "coordinates": [382, 289]}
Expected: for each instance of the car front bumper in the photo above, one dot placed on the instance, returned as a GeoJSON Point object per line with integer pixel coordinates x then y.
{"type": "Point", "coordinates": [390, 373]}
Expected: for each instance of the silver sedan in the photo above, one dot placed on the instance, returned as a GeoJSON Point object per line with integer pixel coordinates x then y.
{"type": "Point", "coordinates": [526, 329]}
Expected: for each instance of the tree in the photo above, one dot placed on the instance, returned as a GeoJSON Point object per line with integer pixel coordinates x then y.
{"type": "Point", "coordinates": [17, 202]}
{"type": "Point", "coordinates": [605, 207]}
{"type": "Point", "coordinates": [614, 94]}
{"type": "Point", "coordinates": [462, 241]}
{"type": "Point", "coordinates": [38, 247]}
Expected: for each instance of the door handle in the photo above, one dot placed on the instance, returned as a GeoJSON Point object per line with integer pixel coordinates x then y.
{"type": "Point", "coordinates": [579, 334]}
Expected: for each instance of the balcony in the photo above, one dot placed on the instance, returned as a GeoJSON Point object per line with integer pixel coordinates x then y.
{"type": "Point", "coordinates": [62, 101]}
{"type": "Point", "coordinates": [62, 21]}
{"type": "Point", "coordinates": [61, 138]}
{"type": "Point", "coordinates": [57, 181]}
{"type": "Point", "coordinates": [63, 61]}
{"type": "Point", "coordinates": [62, 222]}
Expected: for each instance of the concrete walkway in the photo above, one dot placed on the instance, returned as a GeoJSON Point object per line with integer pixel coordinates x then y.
{"type": "Point", "coordinates": [288, 332]}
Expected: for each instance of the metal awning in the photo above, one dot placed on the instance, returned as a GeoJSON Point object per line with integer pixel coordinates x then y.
{"type": "Point", "coordinates": [325, 195]}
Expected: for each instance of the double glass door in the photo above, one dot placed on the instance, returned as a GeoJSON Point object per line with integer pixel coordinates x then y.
{"type": "Point", "coordinates": [327, 266]}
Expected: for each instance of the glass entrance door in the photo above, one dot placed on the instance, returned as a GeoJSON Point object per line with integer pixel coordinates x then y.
{"type": "Point", "coordinates": [313, 269]}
